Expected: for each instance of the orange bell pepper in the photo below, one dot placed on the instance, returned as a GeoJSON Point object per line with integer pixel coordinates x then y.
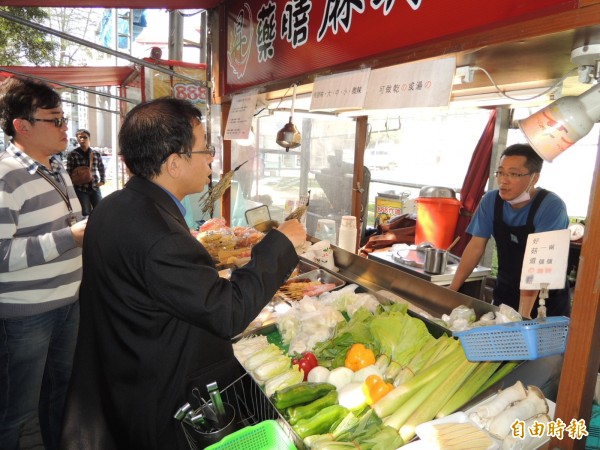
{"type": "Point", "coordinates": [358, 357]}
{"type": "Point", "coordinates": [375, 388]}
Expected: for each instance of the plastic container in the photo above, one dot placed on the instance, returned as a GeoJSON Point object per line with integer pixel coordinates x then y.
{"type": "Point", "coordinates": [348, 233]}
{"type": "Point", "coordinates": [529, 339]}
{"type": "Point", "coordinates": [267, 435]}
{"type": "Point", "coordinates": [436, 220]}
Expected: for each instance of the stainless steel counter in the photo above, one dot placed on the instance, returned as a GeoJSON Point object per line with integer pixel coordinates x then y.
{"type": "Point", "coordinates": [443, 279]}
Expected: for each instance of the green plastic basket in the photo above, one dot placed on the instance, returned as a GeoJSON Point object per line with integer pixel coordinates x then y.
{"type": "Point", "coordinates": [266, 435]}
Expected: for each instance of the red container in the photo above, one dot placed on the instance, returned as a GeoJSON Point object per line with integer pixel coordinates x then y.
{"type": "Point", "coordinates": [436, 220]}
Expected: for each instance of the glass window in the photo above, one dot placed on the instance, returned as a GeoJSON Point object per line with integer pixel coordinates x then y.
{"type": "Point", "coordinates": [323, 165]}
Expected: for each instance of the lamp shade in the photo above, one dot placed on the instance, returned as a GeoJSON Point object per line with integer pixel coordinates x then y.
{"type": "Point", "coordinates": [556, 127]}
{"type": "Point", "coordinates": [289, 136]}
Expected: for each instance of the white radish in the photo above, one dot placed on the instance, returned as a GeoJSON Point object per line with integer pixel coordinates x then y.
{"type": "Point", "coordinates": [502, 400]}
{"type": "Point", "coordinates": [532, 405]}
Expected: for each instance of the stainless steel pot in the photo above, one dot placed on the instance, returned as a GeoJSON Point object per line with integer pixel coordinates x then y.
{"type": "Point", "coordinates": [437, 192]}
{"type": "Point", "coordinates": [436, 261]}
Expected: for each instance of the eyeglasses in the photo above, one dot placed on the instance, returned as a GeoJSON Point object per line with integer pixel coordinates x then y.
{"type": "Point", "coordinates": [510, 175]}
{"type": "Point", "coordinates": [84, 137]}
{"type": "Point", "coordinates": [210, 150]}
{"type": "Point", "coordinates": [58, 123]}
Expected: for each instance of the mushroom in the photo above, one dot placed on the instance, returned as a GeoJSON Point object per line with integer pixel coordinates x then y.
{"type": "Point", "coordinates": [504, 398]}
{"type": "Point", "coordinates": [532, 405]}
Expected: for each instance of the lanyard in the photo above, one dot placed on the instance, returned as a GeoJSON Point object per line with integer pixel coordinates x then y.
{"type": "Point", "coordinates": [71, 219]}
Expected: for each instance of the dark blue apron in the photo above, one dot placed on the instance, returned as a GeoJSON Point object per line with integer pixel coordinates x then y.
{"type": "Point", "coordinates": [510, 244]}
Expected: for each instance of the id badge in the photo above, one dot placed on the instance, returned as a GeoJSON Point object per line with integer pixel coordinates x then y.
{"type": "Point", "coordinates": [71, 220]}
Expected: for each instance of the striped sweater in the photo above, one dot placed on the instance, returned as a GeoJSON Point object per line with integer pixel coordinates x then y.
{"type": "Point", "coordinates": [40, 264]}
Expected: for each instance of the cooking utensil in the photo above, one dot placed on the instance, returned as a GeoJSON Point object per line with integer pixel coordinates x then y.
{"type": "Point", "coordinates": [435, 261]}
{"type": "Point", "coordinates": [215, 396]}
{"type": "Point", "coordinates": [454, 242]}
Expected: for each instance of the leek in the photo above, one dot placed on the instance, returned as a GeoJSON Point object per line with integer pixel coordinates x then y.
{"type": "Point", "coordinates": [477, 379]}
{"type": "Point", "coordinates": [437, 398]}
{"type": "Point", "coordinates": [420, 395]}
{"type": "Point", "coordinates": [399, 395]}
{"type": "Point", "coordinates": [504, 370]}
{"type": "Point", "coordinates": [418, 361]}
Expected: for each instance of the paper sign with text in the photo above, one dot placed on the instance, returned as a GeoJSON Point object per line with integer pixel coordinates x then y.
{"type": "Point", "coordinates": [418, 84]}
{"type": "Point", "coordinates": [546, 259]}
{"type": "Point", "coordinates": [239, 121]}
{"type": "Point", "coordinates": [340, 91]}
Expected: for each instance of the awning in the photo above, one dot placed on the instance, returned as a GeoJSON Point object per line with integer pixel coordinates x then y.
{"type": "Point", "coordinates": [84, 76]}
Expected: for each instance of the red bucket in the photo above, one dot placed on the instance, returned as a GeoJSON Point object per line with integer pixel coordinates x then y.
{"type": "Point", "coordinates": [436, 221]}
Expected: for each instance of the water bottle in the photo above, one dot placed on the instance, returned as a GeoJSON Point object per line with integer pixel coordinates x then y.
{"type": "Point", "coordinates": [347, 234]}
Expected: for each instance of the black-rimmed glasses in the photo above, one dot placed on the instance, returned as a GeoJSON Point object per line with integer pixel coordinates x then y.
{"type": "Point", "coordinates": [58, 123]}
{"type": "Point", "coordinates": [210, 150]}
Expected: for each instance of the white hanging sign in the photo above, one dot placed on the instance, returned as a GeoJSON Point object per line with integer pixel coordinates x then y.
{"type": "Point", "coordinates": [546, 259]}
{"type": "Point", "coordinates": [239, 121]}
{"type": "Point", "coordinates": [417, 84]}
{"type": "Point", "coordinates": [340, 91]}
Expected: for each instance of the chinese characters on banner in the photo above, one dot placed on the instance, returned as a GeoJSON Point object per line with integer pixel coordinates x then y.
{"type": "Point", "coordinates": [340, 91]}
{"type": "Point", "coordinates": [270, 40]}
{"type": "Point", "coordinates": [545, 260]}
{"type": "Point", "coordinates": [239, 121]}
{"type": "Point", "coordinates": [424, 83]}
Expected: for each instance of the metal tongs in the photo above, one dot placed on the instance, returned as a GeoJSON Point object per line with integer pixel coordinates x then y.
{"type": "Point", "coordinates": [541, 315]}
{"type": "Point", "coordinates": [217, 402]}
{"type": "Point", "coordinates": [188, 415]}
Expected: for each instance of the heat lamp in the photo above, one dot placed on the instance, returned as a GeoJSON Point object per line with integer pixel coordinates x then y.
{"type": "Point", "coordinates": [289, 136]}
{"type": "Point", "coordinates": [553, 129]}
{"type": "Point", "coordinates": [556, 127]}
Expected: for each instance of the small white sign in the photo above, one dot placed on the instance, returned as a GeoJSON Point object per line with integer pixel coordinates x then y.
{"type": "Point", "coordinates": [546, 259]}
{"type": "Point", "coordinates": [417, 84]}
{"type": "Point", "coordinates": [340, 91]}
{"type": "Point", "coordinates": [239, 121]}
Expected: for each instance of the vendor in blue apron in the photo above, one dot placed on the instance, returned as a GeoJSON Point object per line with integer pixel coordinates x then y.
{"type": "Point", "coordinates": [509, 214]}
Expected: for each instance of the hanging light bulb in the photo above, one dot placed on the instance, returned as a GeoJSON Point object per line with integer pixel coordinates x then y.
{"type": "Point", "coordinates": [289, 136]}
{"type": "Point", "coordinates": [553, 129]}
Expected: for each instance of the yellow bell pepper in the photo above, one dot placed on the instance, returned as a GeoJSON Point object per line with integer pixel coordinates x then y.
{"type": "Point", "coordinates": [358, 357]}
{"type": "Point", "coordinates": [375, 388]}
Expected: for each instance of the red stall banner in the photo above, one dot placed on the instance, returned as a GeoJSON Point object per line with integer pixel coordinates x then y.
{"type": "Point", "coordinates": [270, 40]}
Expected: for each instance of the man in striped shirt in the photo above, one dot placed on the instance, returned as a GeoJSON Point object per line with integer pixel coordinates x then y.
{"type": "Point", "coordinates": [40, 262]}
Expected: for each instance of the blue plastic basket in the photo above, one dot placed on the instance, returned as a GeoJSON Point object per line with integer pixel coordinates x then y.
{"type": "Point", "coordinates": [530, 339]}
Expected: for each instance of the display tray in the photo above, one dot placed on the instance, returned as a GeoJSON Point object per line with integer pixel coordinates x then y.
{"type": "Point", "coordinates": [316, 283]}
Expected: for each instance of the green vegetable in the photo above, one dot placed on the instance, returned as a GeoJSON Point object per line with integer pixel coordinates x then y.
{"type": "Point", "coordinates": [288, 378]}
{"type": "Point", "coordinates": [272, 368]}
{"type": "Point", "coordinates": [295, 413]}
{"type": "Point", "coordinates": [401, 394]}
{"type": "Point", "coordinates": [429, 408]}
{"type": "Point", "coordinates": [300, 394]}
{"type": "Point", "coordinates": [262, 356]}
{"type": "Point", "coordinates": [504, 370]}
{"type": "Point", "coordinates": [399, 336]}
{"type": "Point", "coordinates": [481, 374]}
{"type": "Point", "coordinates": [321, 422]}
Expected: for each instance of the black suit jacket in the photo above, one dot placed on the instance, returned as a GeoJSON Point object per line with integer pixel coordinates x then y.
{"type": "Point", "coordinates": [156, 320]}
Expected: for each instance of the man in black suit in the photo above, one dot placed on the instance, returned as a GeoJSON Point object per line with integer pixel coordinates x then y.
{"type": "Point", "coordinates": [156, 318]}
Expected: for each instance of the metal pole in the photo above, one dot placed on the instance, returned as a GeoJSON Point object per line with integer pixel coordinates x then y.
{"type": "Point", "coordinates": [100, 48]}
